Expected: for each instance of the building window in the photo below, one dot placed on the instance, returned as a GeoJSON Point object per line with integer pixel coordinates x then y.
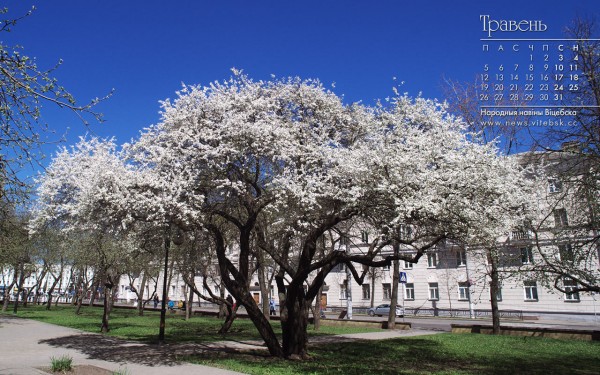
{"type": "Point", "coordinates": [530, 289]}
{"type": "Point", "coordinates": [408, 265]}
{"type": "Point", "coordinates": [405, 232]}
{"type": "Point", "coordinates": [344, 240]}
{"type": "Point", "coordinates": [432, 260]}
{"type": "Point", "coordinates": [386, 267]}
{"type": "Point", "coordinates": [526, 255]}
{"type": "Point", "coordinates": [387, 291]}
{"type": "Point", "coordinates": [554, 185]}
{"type": "Point", "coordinates": [434, 292]}
{"type": "Point", "coordinates": [409, 291]}
{"type": "Point", "coordinates": [463, 291]}
{"type": "Point", "coordinates": [341, 267]}
{"type": "Point", "coordinates": [560, 218]}
{"type": "Point", "coordinates": [499, 294]}
{"type": "Point", "coordinates": [366, 291]}
{"type": "Point", "coordinates": [343, 291]}
{"type": "Point", "coordinates": [566, 252]}
{"type": "Point", "coordinates": [461, 258]}
{"type": "Point", "coordinates": [364, 235]}
{"type": "Point", "coordinates": [569, 286]}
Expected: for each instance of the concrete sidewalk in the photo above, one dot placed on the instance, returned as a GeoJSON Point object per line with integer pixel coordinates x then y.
{"type": "Point", "coordinates": [26, 345]}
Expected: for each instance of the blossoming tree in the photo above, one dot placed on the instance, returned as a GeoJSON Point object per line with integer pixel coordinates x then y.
{"type": "Point", "coordinates": [275, 165]}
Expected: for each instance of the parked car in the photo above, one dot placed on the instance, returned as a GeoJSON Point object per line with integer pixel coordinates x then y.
{"type": "Point", "coordinates": [385, 310]}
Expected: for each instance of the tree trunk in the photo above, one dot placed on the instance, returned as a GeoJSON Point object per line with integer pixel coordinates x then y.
{"type": "Point", "coordinates": [317, 309]}
{"type": "Point", "coordinates": [262, 282]}
{"type": "Point", "coordinates": [38, 285]}
{"type": "Point", "coordinates": [140, 294]}
{"type": "Point", "coordinates": [222, 307]}
{"type": "Point", "coordinates": [7, 293]}
{"type": "Point", "coordinates": [95, 285]}
{"type": "Point", "coordinates": [394, 299]}
{"type": "Point", "coordinates": [19, 287]}
{"type": "Point", "coordinates": [51, 290]}
{"type": "Point", "coordinates": [190, 301]}
{"type": "Point", "coordinates": [373, 278]}
{"type": "Point", "coordinates": [107, 304]}
{"type": "Point", "coordinates": [294, 328]}
{"type": "Point", "coordinates": [81, 292]}
{"type": "Point", "coordinates": [494, 286]}
{"type": "Point", "coordinates": [229, 319]}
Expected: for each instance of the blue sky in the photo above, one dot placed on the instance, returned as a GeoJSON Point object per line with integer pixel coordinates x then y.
{"type": "Point", "coordinates": [146, 49]}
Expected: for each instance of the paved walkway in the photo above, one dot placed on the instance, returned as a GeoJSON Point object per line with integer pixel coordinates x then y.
{"type": "Point", "coordinates": [26, 345]}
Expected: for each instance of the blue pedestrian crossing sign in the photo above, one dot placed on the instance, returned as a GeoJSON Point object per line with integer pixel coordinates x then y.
{"type": "Point", "coordinates": [403, 277]}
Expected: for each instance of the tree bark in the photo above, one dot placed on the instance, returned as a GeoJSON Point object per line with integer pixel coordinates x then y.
{"type": "Point", "coordinates": [140, 294]}
{"type": "Point", "coordinates": [262, 281]}
{"type": "Point", "coordinates": [7, 295]}
{"type": "Point", "coordinates": [51, 290]}
{"type": "Point", "coordinates": [190, 301]}
{"type": "Point", "coordinates": [19, 287]}
{"type": "Point", "coordinates": [394, 299]}
{"type": "Point", "coordinates": [294, 328]}
{"type": "Point", "coordinates": [95, 285]}
{"type": "Point", "coordinates": [229, 318]}
{"type": "Point", "coordinates": [373, 279]}
{"type": "Point", "coordinates": [494, 286]}
{"type": "Point", "coordinates": [107, 303]}
{"type": "Point", "coordinates": [317, 309]}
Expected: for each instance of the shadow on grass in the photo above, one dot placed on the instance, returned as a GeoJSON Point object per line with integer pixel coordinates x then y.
{"type": "Point", "coordinates": [439, 354]}
{"type": "Point", "coordinates": [116, 350]}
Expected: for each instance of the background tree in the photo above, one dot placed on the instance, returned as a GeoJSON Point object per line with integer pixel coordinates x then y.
{"type": "Point", "coordinates": [75, 193]}
{"type": "Point", "coordinates": [571, 163]}
{"type": "Point", "coordinates": [25, 88]}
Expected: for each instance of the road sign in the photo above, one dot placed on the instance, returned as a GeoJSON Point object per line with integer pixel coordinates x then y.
{"type": "Point", "coordinates": [403, 277]}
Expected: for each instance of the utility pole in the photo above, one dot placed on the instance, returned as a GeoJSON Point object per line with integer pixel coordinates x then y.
{"type": "Point", "coordinates": [348, 287]}
{"type": "Point", "coordinates": [471, 309]}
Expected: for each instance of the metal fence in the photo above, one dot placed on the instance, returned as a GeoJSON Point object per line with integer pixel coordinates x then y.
{"type": "Point", "coordinates": [448, 313]}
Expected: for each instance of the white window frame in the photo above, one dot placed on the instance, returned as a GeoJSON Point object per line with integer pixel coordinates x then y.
{"type": "Point", "coordinates": [387, 291]}
{"type": "Point", "coordinates": [434, 292]}
{"type": "Point", "coordinates": [367, 288]}
{"type": "Point", "coordinates": [343, 291]}
{"type": "Point", "coordinates": [408, 265]}
{"type": "Point", "coordinates": [530, 292]}
{"type": "Point", "coordinates": [526, 255]}
{"type": "Point", "coordinates": [461, 258]}
{"type": "Point", "coordinates": [568, 285]}
{"type": "Point", "coordinates": [463, 291]}
{"type": "Point", "coordinates": [364, 236]}
{"type": "Point", "coordinates": [432, 260]}
{"type": "Point", "coordinates": [409, 291]}
{"type": "Point", "coordinates": [566, 251]}
{"type": "Point", "coordinates": [561, 219]}
{"type": "Point", "coordinates": [554, 185]}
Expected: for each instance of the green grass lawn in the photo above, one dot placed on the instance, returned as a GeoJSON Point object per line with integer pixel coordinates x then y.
{"type": "Point", "coordinates": [125, 323]}
{"type": "Point", "coordinates": [434, 354]}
